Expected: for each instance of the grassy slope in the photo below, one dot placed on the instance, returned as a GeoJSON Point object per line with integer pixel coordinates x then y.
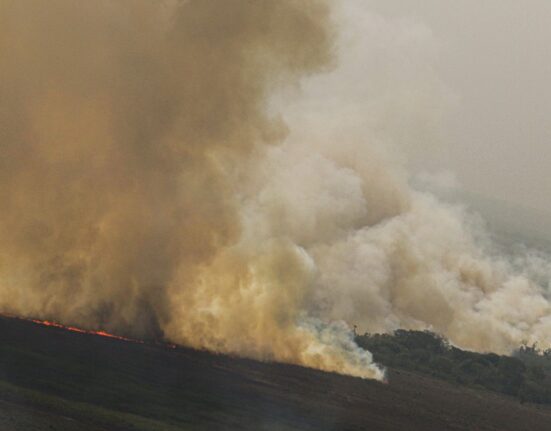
{"type": "Point", "coordinates": [104, 384]}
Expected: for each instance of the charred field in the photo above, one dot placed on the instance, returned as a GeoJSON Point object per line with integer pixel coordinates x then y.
{"type": "Point", "coordinates": [55, 379]}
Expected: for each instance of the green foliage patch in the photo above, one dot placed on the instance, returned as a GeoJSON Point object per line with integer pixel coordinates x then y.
{"type": "Point", "coordinates": [525, 375]}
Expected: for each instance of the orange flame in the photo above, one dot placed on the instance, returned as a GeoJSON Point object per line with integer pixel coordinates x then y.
{"type": "Point", "coordinates": [84, 331]}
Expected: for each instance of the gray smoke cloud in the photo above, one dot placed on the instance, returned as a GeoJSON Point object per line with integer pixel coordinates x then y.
{"type": "Point", "coordinates": [162, 176]}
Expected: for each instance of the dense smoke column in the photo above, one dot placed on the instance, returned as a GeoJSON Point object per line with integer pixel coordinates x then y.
{"type": "Point", "coordinates": [131, 134]}
{"type": "Point", "coordinates": [125, 127]}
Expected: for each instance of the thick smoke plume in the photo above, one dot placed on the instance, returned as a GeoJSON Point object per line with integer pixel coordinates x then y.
{"type": "Point", "coordinates": [148, 187]}
{"type": "Point", "coordinates": [127, 132]}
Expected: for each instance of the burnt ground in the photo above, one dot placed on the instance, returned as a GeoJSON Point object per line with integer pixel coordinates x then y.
{"type": "Point", "coordinates": [52, 379]}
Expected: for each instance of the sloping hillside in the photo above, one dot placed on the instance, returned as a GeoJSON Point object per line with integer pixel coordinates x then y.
{"type": "Point", "coordinates": [55, 379]}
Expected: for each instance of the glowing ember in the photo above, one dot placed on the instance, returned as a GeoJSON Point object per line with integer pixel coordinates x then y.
{"type": "Point", "coordinates": [84, 331]}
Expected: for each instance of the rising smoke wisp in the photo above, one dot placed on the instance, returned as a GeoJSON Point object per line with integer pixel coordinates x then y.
{"type": "Point", "coordinates": [149, 186]}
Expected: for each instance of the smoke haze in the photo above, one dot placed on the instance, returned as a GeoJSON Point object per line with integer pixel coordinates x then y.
{"type": "Point", "coordinates": [176, 169]}
{"type": "Point", "coordinates": [494, 57]}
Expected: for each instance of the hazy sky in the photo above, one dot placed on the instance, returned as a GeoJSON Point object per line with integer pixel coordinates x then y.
{"type": "Point", "coordinates": [493, 55]}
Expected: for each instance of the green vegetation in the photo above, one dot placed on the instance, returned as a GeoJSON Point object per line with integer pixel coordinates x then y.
{"type": "Point", "coordinates": [525, 375]}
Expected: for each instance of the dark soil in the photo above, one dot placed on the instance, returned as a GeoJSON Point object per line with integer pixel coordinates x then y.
{"type": "Point", "coordinates": [54, 379]}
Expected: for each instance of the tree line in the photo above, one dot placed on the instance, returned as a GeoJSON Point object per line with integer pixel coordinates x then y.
{"type": "Point", "coordinates": [525, 375]}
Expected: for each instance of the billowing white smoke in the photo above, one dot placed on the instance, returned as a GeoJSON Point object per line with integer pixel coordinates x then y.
{"type": "Point", "coordinates": [388, 256]}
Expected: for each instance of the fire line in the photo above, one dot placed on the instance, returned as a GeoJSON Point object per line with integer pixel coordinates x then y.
{"type": "Point", "coordinates": [84, 331]}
